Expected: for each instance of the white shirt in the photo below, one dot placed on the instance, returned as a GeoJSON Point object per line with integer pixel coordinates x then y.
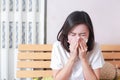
{"type": "Point", "coordinates": [60, 57]}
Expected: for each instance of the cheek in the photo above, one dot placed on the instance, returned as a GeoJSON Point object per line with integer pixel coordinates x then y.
{"type": "Point", "coordinates": [69, 39]}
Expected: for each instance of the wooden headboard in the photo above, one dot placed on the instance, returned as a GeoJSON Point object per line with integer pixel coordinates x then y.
{"type": "Point", "coordinates": [111, 54]}
{"type": "Point", "coordinates": [34, 61]}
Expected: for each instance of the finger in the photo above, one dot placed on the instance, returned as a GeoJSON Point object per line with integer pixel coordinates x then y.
{"type": "Point", "coordinates": [79, 50]}
{"type": "Point", "coordinates": [83, 44]}
{"type": "Point", "coordinates": [75, 42]}
{"type": "Point", "coordinates": [83, 48]}
{"type": "Point", "coordinates": [73, 47]}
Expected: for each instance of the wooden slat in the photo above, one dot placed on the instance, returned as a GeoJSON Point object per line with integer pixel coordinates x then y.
{"type": "Point", "coordinates": [33, 64]}
{"type": "Point", "coordinates": [34, 47]}
{"type": "Point", "coordinates": [111, 53]}
{"type": "Point", "coordinates": [35, 73]}
{"type": "Point", "coordinates": [32, 55]}
{"type": "Point", "coordinates": [107, 55]}
{"type": "Point", "coordinates": [110, 47]}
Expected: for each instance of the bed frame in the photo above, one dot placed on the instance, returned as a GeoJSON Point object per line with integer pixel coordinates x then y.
{"type": "Point", "coordinates": [34, 60]}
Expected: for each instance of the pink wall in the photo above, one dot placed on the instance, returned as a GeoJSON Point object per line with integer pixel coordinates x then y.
{"type": "Point", "coordinates": [105, 16]}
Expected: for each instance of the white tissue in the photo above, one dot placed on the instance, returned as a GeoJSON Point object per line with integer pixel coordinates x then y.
{"type": "Point", "coordinates": [86, 40]}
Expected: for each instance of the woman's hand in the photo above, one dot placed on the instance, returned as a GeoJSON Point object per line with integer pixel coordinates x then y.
{"type": "Point", "coordinates": [73, 49]}
{"type": "Point", "coordinates": [82, 49]}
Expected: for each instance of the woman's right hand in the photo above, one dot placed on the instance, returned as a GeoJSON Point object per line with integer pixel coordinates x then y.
{"type": "Point", "coordinates": [73, 49]}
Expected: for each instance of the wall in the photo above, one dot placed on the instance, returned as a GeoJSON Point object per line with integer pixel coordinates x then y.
{"type": "Point", "coordinates": [105, 15]}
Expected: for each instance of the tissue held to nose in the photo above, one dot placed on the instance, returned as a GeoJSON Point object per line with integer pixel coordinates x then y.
{"type": "Point", "coordinates": [86, 40]}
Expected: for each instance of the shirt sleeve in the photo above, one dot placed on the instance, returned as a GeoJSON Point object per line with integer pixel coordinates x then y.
{"type": "Point", "coordinates": [55, 57]}
{"type": "Point", "coordinates": [98, 60]}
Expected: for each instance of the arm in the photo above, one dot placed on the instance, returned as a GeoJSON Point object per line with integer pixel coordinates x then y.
{"type": "Point", "coordinates": [88, 72]}
{"type": "Point", "coordinates": [65, 72]}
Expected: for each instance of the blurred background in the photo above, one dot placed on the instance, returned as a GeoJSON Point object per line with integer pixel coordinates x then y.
{"type": "Point", "coordinates": [105, 15]}
{"type": "Point", "coordinates": [38, 22]}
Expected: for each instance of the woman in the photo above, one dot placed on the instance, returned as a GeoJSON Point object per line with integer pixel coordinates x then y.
{"type": "Point", "coordinates": [76, 55]}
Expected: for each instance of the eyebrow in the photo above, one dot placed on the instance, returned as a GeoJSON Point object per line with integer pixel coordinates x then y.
{"type": "Point", "coordinates": [79, 33]}
{"type": "Point", "coordinates": [72, 32]}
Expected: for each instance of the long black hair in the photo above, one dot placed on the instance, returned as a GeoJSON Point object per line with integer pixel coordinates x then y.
{"type": "Point", "coordinates": [74, 19]}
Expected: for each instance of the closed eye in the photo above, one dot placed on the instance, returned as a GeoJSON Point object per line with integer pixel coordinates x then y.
{"type": "Point", "coordinates": [72, 34]}
{"type": "Point", "coordinates": [83, 34]}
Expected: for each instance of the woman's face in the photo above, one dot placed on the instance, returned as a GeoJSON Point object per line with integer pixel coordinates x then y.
{"type": "Point", "coordinates": [78, 32]}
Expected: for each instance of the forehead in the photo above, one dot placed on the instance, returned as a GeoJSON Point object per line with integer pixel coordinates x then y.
{"type": "Point", "coordinates": [80, 28]}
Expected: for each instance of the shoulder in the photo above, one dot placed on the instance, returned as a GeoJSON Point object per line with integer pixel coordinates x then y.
{"type": "Point", "coordinates": [96, 58]}
{"type": "Point", "coordinates": [57, 45]}
{"type": "Point", "coordinates": [96, 48]}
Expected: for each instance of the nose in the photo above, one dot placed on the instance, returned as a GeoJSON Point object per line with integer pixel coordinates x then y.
{"type": "Point", "coordinates": [78, 37]}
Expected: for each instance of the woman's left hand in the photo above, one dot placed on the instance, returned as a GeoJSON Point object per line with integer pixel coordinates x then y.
{"type": "Point", "coordinates": [82, 49]}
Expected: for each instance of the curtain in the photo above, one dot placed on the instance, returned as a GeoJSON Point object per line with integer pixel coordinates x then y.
{"type": "Point", "coordinates": [21, 22]}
